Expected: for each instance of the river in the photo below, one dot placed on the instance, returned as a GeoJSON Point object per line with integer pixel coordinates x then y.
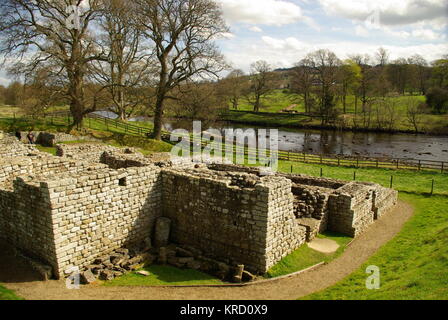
{"type": "Point", "coordinates": [329, 142]}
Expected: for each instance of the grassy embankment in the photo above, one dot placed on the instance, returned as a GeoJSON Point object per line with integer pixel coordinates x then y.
{"type": "Point", "coordinates": [105, 133]}
{"type": "Point", "coordinates": [280, 100]}
{"type": "Point", "coordinates": [412, 266]}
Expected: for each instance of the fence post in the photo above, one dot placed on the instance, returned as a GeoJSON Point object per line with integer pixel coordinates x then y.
{"type": "Point", "coordinates": [419, 165]}
{"type": "Point", "coordinates": [321, 159]}
{"type": "Point", "coordinates": [391, 182]}
{"type": "Point", "coordinates": [441, 171]}
{"type": "Point", "coordinates": [354, 176]}
{"type": "Point", "coordinates": [291, 168]}
{"type": "Point", "coordinates": [377, 163]}
{"type": "Point", "coordinates": [339, 162]}
{"type": "Point", "coordinates": [321, 172]}
{"type": "Point", "coordinates": [398, 163]}
{"type": "Point", "coordinates": [432, 187]}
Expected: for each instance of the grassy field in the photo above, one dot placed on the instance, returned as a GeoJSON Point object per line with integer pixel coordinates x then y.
{"type": "Point", "coordinates": [165, 275]}
{"type": "Point", "coordinates": [404, 180]}
{"type": "Point", "coordinates": [6, 294]}
{"type": "Point", "coordinates": [305, 257]}
{"type": "Point", "coordinates": [279, 100]}
{"type": "Point", "coordinates": [412, 266]}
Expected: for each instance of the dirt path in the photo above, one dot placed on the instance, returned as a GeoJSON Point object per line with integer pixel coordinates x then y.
{"type": "Point", "coordinates": [20, 279]}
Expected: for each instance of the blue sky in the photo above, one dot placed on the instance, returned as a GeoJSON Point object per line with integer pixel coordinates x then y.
{"type": "Point", "coordinates": [283, 31]}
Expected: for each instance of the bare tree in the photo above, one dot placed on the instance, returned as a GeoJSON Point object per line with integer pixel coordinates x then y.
{"type": "Point", "coordinates": [182, 33]}
{"type": "Point", "coordinates": [414, 113]}
{"type": "Point", "coordinates": [234, 87]}
{"type": "Point", "coordinates": [303, 78]}
{"type": "Point", "coordinates": [422, 72]}
{"type": "Point", "coordinates": [260, 83]}
{"type": "Point", "coordinates": [198, 100]}
{"type": "Point", "coordinates": [382, 57]}
{"type": "Point", "coordinates": [326, 65]}
{"type": "Point", "coordinates": [386, 114]}
{"type": "Point", "coordinates": [54, 32]}
{"type": "Point", "coordinates": [126, 68]}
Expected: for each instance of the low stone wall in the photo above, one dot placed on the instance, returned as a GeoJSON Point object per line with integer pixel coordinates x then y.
{"type": "Point", "coordinates": [246, 219]}
{"type": "Point", "coordinates": [356, 205]}
{"type": "Point", "coordinates": [90, 152]}
{"type": "Point", "coordinates": [10, 146]}
{"type": "Point", "coordinates": [97, 212]}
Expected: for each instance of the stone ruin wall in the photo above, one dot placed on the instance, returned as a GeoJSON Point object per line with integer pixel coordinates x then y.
{"type": "Point", "coordinates": [66, 212]}
{"type": "Point", "coordinates": [70, 210]}
{"type": "Point", "coordinates": [97, 212]}
{"type": "Point", "coordinates": [242, 218]}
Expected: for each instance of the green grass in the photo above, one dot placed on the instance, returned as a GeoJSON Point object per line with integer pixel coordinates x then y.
{"type": "Point", "coordinates": [279, 100]}
{"type": "Point", "coordinates": [165, 275]}
{"type": "Point", "coordinates": [50, 150]}
{"type": "Point", "coordinates": [6, 294]}
{"type": "Point", "coordinates": [412, 266]}
{"type": "Point", "coordinates": [276, 101]}
{"type": "Point", "coordinates": [108, 134]}
{"type": "Point", "coordinates": [404, 180]}
{"type": "Point", "coordinates": [305, 257]}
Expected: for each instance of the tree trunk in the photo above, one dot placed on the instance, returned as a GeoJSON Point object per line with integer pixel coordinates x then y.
{"type": "Point", "coordinates": [158, 116]}
{"type": "Point", "coordinates": [257, 104]}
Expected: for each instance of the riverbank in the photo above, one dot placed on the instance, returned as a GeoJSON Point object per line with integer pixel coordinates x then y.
{"type": "Point", "coordinates": [432, 124]}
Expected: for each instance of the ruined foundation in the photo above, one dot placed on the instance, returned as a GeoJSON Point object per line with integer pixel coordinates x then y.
{"type": "Point", "coordinates": [91, 200]}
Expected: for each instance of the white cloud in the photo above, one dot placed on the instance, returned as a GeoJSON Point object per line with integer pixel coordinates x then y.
{"type": "Point", "coordinates": [361, 31]}
{"type": "Point", "coordinates": [401, 12]}
{"type": "Point", "coordinates": [255, 29]}
{"type": "Point", "coordinates": [287, 44]}
{"type": "Point", "coordinates": [285, 52]}
{"type": "Point", "coordinates": [262, 12]}
{"type": "Point", "coordinates": [427, 34]}
{"type": "Point", "coordinates": [227, 35]}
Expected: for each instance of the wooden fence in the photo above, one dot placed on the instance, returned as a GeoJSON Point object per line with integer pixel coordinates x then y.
{"type": "Point", "coordinates": [342, 161]}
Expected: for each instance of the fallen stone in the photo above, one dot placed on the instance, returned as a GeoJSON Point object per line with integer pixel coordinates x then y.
{"type": "Point", "coordinates": [122, 251]}
{"type": "Point", "coordinates": [87, 277]}
{"type": "Point", "coordinates": [143, 273]}
{"type": "Point", "coordinates": [101, 260]}
{"type": "Point", "coordinates": [238, 277]}
{"type": "Point", "coordinates": [106, 275]}
{"type": "Point", "coordinates": [134, 267]}
{"type": "Point", "coordinates": [247, 276]}
{"type": "Point", "coordinates": [117, 273]}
